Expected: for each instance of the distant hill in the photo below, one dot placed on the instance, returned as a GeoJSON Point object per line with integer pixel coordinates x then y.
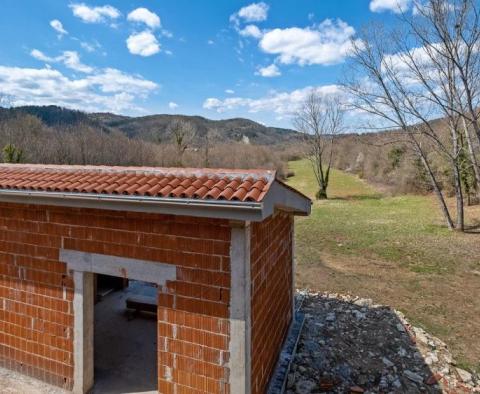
{"type": "Point", "coordinates": [154, 127]}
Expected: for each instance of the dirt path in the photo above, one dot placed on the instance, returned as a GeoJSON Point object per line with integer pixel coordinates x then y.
{"type": "Point", "coordinates": [396, 250]}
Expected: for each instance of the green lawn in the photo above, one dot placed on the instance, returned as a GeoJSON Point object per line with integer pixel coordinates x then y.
{"type": "Point", "coordinates": [393, 249]}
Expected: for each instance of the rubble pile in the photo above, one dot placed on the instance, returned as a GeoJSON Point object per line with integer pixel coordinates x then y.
{"type": "Point", "coordinates": [352, 345]}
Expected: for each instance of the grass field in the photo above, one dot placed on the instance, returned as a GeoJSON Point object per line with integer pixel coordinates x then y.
{"type": "Point", "coordinates": [396, 251]}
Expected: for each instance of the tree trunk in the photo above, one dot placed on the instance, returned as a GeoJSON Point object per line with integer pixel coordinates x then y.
{"type": "Point", "coordinates": [473, 157]}
{"type": "Point", "coordinates": [460, 226]}
{"type": "Point", "coordinates": [322, 193]}
{"type": "Point", "coordinates": [435, 185]}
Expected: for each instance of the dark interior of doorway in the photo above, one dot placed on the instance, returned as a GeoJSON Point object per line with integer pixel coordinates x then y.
{"type": "Point", "coordinates": [125, 344]}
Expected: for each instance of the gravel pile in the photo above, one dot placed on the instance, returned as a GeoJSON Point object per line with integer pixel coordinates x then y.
{"type": "Point", "coordinates": [352, 345]}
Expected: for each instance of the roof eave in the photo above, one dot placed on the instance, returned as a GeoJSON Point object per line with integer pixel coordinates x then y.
{"type": "Point", "coordinates": [219, 209]}
{"type": "Point", "coordinates": [283, 197]}
{"type": "Point", "coordinates": [279, 196]}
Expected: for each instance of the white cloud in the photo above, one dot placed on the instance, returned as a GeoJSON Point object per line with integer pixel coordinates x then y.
{"type": "Point", "coordinates": [251, 31]}
{"type": "Point", "coordinates": [210, 42]}
{"type": "Point", "coordinates": [106, 90]}
{"type": "Point", "coordinates": [143, 44]}
{"type": "Point", "coordinates": [39, 55]}
{"type": "Point", "coordinates": [255, 12]}
{"type": "Point", "coordinates": [425, 8]}
{"type": "Point", "coordinates": [214, 103]}
{"type": "Point", "coordinates": [403, 64]}
{"type": "Point", "coordinates": [94, 14]}
{"type": "Point", "coordinates": [58, 27]}
{"type": "Point", "coordinates": [281, 103]}
{"type": "Point", "coordinates": [90, 47]}
{"type": "Point", "coordinates": [111, 80]}
{"type": "Point", "coordinates": [143, 15]}
{"type": "Point", "coordinates": [166, 33]}
{"type": "Point", "coordinates": [327, 43]}
{"type": "Point", "coordinates": [172, 105]}
{"type": "Point", "coordinates": [70, 59]}
{"type": "Point", "coordinates": [396, 6]}
{"type": "Point", "coordinates": [268, 71]}
{"type": "Point", "coordinates": [229, 91]}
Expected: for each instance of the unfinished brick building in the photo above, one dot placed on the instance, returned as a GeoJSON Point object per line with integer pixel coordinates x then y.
{"type": "Point", "coordinates": [217, 244]}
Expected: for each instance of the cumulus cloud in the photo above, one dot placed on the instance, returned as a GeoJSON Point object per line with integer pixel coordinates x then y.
{"type": "Point", "coordinates": [94, 14]}
{"type": "Point", "coordinates": [143, 15]}
{"type": "Point", "coordinates": [229, 91]}
{"type": "Point", "coordinates": [255, 12]}
{"type": "Point", "coordinates": [58, 27]}
{"type": "Point", "coordinates": [404, 62]}
{"type": "Point", "coordinates": [70, 59]}
{"type": "Point", "coordinates": [396, 6]}
{"type": "Point", "coordinates": [106, 90]}
{"type": "Point", "coordinates": [327, 43]}
{"type": "Point", "coordinates": [280, 103]}
{"type": "Point", "coordinates": [143, 44]}
{"type": "Point", "coordinates": [172, 105]}
{"type": "Point", "coordinates": [268, 71]}
{"type": "Point", "coordinates": [111, 80]}
{"type": "Point", "coordinates": [250, 31]}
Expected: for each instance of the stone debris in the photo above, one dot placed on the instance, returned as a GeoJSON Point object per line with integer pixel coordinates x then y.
{"type": "Point", "coordinates": [352, 345]}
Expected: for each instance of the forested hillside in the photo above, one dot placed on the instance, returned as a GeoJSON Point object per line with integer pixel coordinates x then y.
{"type": "Point", "coordinates": [154, 128]}
{"type": "Point", "coordinates": [58, 135]}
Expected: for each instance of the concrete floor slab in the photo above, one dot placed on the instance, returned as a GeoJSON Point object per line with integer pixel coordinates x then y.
{"type": "Point", "coordinates": [15, 383]}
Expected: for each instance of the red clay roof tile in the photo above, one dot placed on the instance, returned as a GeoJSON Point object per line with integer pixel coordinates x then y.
{"type": "Point", "coordinates": [202, 183]}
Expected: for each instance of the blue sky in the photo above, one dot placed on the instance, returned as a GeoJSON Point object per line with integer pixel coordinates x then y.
{"type": "Point", "coordinates": [218, 59]}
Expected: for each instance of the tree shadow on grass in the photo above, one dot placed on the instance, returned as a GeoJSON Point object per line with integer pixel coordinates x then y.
{"type": "Point", "coordinates": [350, 345]}
{"type": "Point", "coordinates": [358, 197]}
{"type": "Point", "coordinates": [473, 229]}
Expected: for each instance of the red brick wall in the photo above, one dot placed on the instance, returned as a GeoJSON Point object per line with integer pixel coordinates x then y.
{"type": "Point", "coordinates": [36, 291]}
{"type": "Point", "coordinates": [271, 272]}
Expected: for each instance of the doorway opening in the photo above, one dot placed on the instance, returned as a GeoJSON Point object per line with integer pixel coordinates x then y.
{"type": "Point", "coordinates": [125, 336]}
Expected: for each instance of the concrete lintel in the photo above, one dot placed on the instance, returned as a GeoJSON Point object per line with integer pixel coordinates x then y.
{"type": "Point", "coordinates": [147, 271]}
{"type": "Point", "coordinates": [240, 309]}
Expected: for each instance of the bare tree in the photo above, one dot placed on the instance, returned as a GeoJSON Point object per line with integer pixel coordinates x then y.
{"type": "Point", "coordinates": [449, 33]}
{"type": "Point", "coordinates": [320, 119]}
{"type": "Point", "coordinates": [379, 87]}
{"type": "Point", "coordinates": [210, 136]}
{"type": "Point", "coordinates": [182, 133]}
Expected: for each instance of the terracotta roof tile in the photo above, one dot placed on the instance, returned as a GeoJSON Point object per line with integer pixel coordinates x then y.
{"type": "Point", "coordinates": [191, 183]}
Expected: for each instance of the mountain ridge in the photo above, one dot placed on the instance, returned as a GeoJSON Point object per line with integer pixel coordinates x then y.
{"type": "Point", "coordinates": [154, 128]}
